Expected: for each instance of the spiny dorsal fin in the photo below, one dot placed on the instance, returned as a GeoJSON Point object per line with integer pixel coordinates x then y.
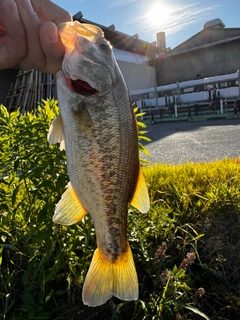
{"type": "Point", "coordinates": [69, 209]}
{"type": "Point", "coordinates": [106, 278]}
{"type": "Point", "coordinates": [55, 133]}
{"type": "Point", "coordinates": [140, 199]}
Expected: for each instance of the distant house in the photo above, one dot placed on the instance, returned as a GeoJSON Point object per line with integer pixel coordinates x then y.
{"type": "Point", "coordinates": [212, 51]}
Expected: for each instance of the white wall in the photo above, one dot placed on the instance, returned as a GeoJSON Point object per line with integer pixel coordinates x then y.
{"type": "Point", "coordinates": [137, 76]}
{"type": "Point", "coordinates": [126, 56]}
{"type": "Point", "coordinates": [136, 72]}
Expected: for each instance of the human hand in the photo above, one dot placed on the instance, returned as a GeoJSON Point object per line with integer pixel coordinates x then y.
{"type": "Point", "coordinates": [29, 34]}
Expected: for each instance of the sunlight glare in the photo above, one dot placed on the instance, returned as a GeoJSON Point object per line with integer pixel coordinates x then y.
{"type": "Point", "coordinates": [158, 14]}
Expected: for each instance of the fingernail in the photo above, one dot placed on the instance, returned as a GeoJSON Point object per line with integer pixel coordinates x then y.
{"type": "Point", "coordinates": [15, 11]}
{"type": "Point", "coordinates": [26, 4]}
{"type": "Point", "coordinates": [53, 34]}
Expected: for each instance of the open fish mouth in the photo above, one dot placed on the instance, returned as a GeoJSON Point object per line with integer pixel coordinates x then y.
{"type": "Point", "coordinates": [81, 87]}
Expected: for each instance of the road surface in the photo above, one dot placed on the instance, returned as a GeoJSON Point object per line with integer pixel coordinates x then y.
{"type": "Point", "coordinates": [178, 142]}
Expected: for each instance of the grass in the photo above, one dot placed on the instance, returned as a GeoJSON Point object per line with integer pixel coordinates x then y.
{"type": "Point", "coordinates": [186, 248]}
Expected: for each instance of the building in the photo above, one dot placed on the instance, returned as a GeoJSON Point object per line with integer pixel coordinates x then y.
{"type": "Point", "coordinates": [214, 51]}
{"type": "Point", "coordinates": [200, 76]}
{"type": "Point", "coordinates": [211, 52]}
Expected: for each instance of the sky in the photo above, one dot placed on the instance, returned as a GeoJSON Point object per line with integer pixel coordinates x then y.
{"type": "Point", "coordinates": [179, 19]}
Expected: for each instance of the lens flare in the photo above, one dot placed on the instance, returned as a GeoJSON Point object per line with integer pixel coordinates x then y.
{"type": "Point", "coordinates": [158, 14]}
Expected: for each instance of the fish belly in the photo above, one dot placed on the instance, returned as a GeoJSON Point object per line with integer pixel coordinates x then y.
{"type": "Point", "coordinates": [103, 166]}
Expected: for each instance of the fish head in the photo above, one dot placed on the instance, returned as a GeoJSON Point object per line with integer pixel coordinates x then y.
{"type": "Point", "coordinates": [89, 66]}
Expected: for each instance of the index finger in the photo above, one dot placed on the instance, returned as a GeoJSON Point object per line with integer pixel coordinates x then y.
{"type": "Point", "coordinates": [13, 44]}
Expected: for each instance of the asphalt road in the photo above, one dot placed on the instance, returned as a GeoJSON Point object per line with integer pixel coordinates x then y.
{"type": "Point", "coordinates": [178, 142]}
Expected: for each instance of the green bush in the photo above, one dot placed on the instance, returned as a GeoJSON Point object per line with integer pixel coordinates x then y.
{"type": "Point", "coordinates": [186, 245]}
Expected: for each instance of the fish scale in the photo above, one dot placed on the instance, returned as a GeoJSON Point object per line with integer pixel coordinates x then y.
{"type": "Point", "coordinates": [99, 130]}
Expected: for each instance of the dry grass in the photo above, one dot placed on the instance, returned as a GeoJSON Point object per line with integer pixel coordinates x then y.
{"type": "Point", "coordinates": [207, 196]}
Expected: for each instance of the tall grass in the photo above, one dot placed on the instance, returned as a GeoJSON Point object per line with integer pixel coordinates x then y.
{"type": "Point", "coordinates": [186, 248]}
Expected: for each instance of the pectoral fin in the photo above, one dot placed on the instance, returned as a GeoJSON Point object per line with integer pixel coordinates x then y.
{"type": "Point", "coordinates": [55, 134]}
{"type": "Point", "coordinates": [140, 199]}
{"type": "Point", "coordinates": [69, 209]}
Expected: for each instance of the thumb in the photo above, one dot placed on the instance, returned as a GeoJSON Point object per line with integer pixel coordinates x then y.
{"type": "Point", "coordinates": [52, 47]}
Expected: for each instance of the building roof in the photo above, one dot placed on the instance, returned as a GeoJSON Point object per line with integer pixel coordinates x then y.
{"type": "Point", "coordinates": [121, 40]}
{"type": "Point", "coordinates": [216, 23]}
{"type": "Point", "coordinates": [213, 33]}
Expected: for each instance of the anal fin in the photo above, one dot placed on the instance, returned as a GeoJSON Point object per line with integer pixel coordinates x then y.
{"type": "Point", "coordinates": [69, 209]}
{"type": "Point", "coordinates": [106, 278]}
{"type": "Point", "coordinates": [140, 199]}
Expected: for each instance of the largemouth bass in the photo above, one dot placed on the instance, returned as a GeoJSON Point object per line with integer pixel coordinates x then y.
{"type": "Point", "coordinates": [97, 127]}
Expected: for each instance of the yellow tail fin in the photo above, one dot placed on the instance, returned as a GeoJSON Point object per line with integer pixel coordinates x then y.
{"type": "Point", "coordinates": [106, 278]}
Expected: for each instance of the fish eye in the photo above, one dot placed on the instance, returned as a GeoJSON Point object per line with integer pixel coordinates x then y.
{"type": "Point", "coordinates": [105, 47]}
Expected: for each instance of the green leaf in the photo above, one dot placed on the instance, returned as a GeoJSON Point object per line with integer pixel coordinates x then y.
{"type": "Point", "coordinates": [141, 125]}
{"type": "Point", "coordinates": [193, 309]}
{"type": "Point", "coordinates": [1, 251]}
{"type": "Point", "coordinates": [10, 246]}
{"type": "Point", "coordinates": [144, 138]}
{"type": "Point", "coordinates": [27, 298]}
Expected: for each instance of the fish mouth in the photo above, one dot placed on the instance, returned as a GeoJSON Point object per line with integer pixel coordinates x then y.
{"type": "Point", "coordinates": [81, 87]}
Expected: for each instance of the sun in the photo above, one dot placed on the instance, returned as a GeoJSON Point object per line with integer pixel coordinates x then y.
{"type": "Point", "coordinates": [158, 14]}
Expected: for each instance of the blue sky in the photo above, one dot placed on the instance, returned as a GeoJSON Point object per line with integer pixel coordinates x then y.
{"type": "Point", "coordinates": [180, 19]}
